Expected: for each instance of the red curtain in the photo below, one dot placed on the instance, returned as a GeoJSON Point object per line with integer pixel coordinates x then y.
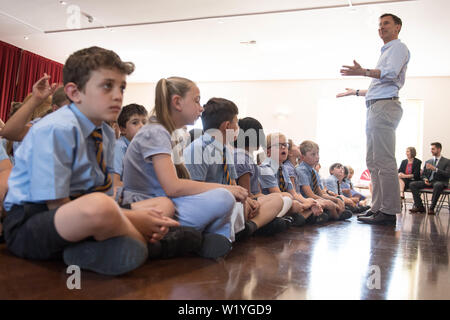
{"type": "Point", "coordinates": [9, 67]}
{"type": "Point", "coordinates": [32, 68]}
{"type": "Point", "coordinates": [19, 70]}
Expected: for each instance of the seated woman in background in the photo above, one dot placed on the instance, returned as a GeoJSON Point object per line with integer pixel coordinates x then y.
{"type": "Point", "coordinates": [409, 170]}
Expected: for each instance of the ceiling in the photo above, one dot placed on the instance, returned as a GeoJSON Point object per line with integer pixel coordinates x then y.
{"type": "Point", "coordinates": [201, 39]}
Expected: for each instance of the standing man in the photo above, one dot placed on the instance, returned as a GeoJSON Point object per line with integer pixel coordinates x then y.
{"type": "Point", "coordinates": [383, 115]}
{"type": "Point", "coordinates": [436, 173]}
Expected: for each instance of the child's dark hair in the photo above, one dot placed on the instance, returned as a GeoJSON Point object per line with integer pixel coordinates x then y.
{"type": "Point", "coordinates": [335, 165]}
{"type": "Point", "coordinates": [216, 111]}
{"type": "Point", "coordinates": [128, 111]}
{"type": "Point", "coordinates": [80, 64]}
{"type": "Point", "coordinates": [195, 133]}
{"type": "Point", "coordinates": [346, 171]}
{"type": "Point", "coordinates": [251, 134]}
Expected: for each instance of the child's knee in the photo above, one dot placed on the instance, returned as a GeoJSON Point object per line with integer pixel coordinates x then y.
{"type": "Point", "coordinates": [167, 207]}
{"type": "Point", "coordinates": [286, 194]}
{"type": "Point", "coordinates": [276, 200]}
{"type": "Point", "coordinates": [225, 199]}
{"type": "Point", "coordinates": [101, 211]}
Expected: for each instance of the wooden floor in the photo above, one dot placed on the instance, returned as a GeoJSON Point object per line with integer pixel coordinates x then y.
{"type": "Point", "coordinates": [340, 260]}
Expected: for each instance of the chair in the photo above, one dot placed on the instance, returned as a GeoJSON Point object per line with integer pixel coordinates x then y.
{"type": "Point", "coordinates": [445, 195]}
{"type": "Point", "coordinates": [404, 198]}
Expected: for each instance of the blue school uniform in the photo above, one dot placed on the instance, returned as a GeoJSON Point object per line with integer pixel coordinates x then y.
{"type": "Point", "coordinates": [3, 144]}
{"type": "Point", "coordinates": [347, 184]}
{"type": "Point", "coordinates": [3, 154]}
{"type": "Point", "coordinates": [57, 159]}
{"type": "Point", "coordinates": [332, 184]}
{"type": "Point", "coordinates": [16, 144]}
{"type": "Point", "coordinates": [304, 174]}
{"type": "Point", "coordinates": [208, 212]}
{"type": "Point", "coordinates": [204, 160]}
{"type": "Point", "coordinates": [269, 176]}
{"type": "Point", "coordinates": [290, 168]}
{"type": "Point", "coordinates": [120, 149]}
{"type": "Point", "coordinates": [244, 163]}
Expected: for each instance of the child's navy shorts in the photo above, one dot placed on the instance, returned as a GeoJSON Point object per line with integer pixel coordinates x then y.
{"type": "Point", "coordinates": [30, 232]}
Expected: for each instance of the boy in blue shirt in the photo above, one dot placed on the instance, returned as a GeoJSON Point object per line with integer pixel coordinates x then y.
{"type": "Point", "coordinates": [294, 157]}
{"type": "Point", "coordinates": [5, 170]}
{"type": "Point", "coordinates": [275, 179]}
{"type": "Point", "coordinates": [334, 186]}
{"type": "Point", "coordinates": [131, 119]}
{"type": "Point", "coordinates": [311, 184]}
{"type": "Point", "coordinates": [210, 158]}
{"type": "Point", "coordinates": [56, 204]}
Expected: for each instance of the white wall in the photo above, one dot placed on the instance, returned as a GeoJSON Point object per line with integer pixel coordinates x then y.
{"type": "Point", "coordinates": [291, 106]}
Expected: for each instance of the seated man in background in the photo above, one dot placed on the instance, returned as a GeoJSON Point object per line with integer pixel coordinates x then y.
{"type": "Point", "coordinates": [436, 173]}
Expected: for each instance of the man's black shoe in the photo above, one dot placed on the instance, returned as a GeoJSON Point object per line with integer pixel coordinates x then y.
{"type": "Point", "coordinates": [380, 218]}
{"type": "Point", "coordinates": [366, 214]}
{"type": "Point", "coordinates": [417, 210]}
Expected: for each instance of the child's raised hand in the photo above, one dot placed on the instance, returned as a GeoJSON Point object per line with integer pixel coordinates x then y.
{"type": "Point", "coordinates": [42, 88]}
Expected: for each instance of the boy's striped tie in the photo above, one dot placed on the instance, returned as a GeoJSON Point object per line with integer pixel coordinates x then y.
{"type": "Point", "coordinates": [314, 181]}
{"type": "Point", "coordinates": [282, 183]}
{"type": "Point", "coordinates": [98, 138]}
{"type": "Point", "coordinates": [226, 172]}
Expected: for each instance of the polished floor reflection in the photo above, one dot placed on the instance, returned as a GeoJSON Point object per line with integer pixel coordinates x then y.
{"type": "Point", "coordinates": [340, 260]}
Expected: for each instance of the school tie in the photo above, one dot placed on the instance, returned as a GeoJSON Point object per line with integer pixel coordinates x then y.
{"type": "Point", "coordinates": [339, 187]}
{"type": "Point", "coordinates": [314, 181]}
{"type": "Point", "coordinates": [433, 172]}
{"type": "Point", "coordinates": [282, 183]}
{"type": "Point", "coordinates": [226, 173]}
{"type": "Point", "coordinates": [98, 139]}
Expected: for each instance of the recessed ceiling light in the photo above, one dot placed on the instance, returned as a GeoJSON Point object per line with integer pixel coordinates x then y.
{"type": "Point", "coordinates": [251, 42]}
{"type": "Point", "coordinates": [220, 22]}
{"type": "Point", "coordinates": [26, 37]}
{"type": "Point", "coordinates": [63, 3]}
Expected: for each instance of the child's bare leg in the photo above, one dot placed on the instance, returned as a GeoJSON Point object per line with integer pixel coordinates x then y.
{"type": "Point", "coordinates": [402, 187]}
{"type": "Point", "coordinates": [270, 206]}
{"type": "Point", "coordinates": [348, 201]}
{"type": "Point", "coordinates": [120, 246]}
{"type": "Point", "coordinates": [93, 215]}
{"type": "Point", "coordinates": [298, 208]}
{"type": "Point", "coordinates": [163, 204]}
{"type": "Point", "coordinates": [330, 206]}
